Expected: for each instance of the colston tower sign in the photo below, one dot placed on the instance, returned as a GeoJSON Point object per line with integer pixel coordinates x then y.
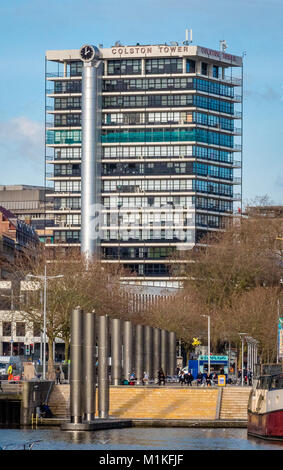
{"type": "Point", "coordinates": [165, 50]}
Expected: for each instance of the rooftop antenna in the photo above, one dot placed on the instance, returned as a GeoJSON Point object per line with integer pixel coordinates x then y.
{"type": "Point", "coordinates": [118, 43]}
{"type": "Point", "coordinates": [223, 45]}
{"type": "Point", "coordinates": [173, 43]}
{"type": "Point", "coordinates": [189, 37]}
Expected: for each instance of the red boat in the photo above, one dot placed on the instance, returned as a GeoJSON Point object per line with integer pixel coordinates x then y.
{"type": "Point", "coordinates": [265, 407]}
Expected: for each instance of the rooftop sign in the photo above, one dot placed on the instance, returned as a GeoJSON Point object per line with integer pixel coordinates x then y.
{"type": "Point", "coordinates": [165, 50]}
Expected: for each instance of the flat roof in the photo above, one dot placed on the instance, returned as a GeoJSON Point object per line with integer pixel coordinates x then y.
{"type": "Point", "coordinates": [151, 51]}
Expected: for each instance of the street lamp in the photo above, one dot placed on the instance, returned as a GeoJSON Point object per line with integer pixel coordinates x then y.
{"type": "Point", "coordinates": [208, 342]}
{"type": "Point", "coordinates": [242, 336]}
{"type": "Point", "coordinates": [44, 279]}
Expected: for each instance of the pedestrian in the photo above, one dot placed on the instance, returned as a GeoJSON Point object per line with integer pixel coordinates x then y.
{"type": "Point", "coordinates": [182, 377]}
{"type": "Point", "coordinates": [250, 377]}
{"type": "Point", "coordinates": [208, 380]}
{"type": "Point", "coordinates": [10, 372]}
{"type": "Point", "coordinates": [58, 376]}
{"type": "Point", "coordinates": [189, 379]}
{"type": "Point", "coordinates": [145, 378]}
{"type": "Point", "coordinates": [214, 378]}
{"type": "Point", "coordinates": [161, 376]}
{"type": "Point", "coordinates": [199, 378]}
{"type": "Point", "coordinates": [132, 378]}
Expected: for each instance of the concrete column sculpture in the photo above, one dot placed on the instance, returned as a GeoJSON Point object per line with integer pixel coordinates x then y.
{"type": "Point", "coordinates": [148, 349]}
{"type": "Point", "coordinates": [172, 353]}
{"type": "Point", "coordinates": [89, 360]}
{"type": "Point", "coordinates": [139, 343]}
{"type": "Point", "coordinates": [103, 377]}
{"type": "Point", "coordinates": [164, 351]}
{"type": "Point", "coordinates": [116, 351]}
{"type": "Point", "coordinates": [76, 357]}
{"type": "Point", "coordinates": [127, 349]}
{"type": "Point", "coordinates": [156, 352]}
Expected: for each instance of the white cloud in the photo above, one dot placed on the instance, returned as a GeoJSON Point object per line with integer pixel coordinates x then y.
{"type": "Point", "coordinates": [22, 138]}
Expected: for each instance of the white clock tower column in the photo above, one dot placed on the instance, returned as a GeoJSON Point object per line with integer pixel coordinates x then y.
{"type": "Point", "coordinates": [91, 151]}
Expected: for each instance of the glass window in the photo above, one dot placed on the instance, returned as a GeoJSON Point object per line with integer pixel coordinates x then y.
{"type": "Point", "coordinates": [20, 329]}
{"type": "Point", "coordinates": [7, 328]}
{"type": "Point", "coordinates": [190, 66]}
{"type": "Point", "coordinates": [204, 68]}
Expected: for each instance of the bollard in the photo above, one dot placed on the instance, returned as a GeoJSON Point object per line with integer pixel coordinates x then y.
{"type": "Point", "coordinates": [148, 350]}
{"type": "Point", "coordinates": [89, 359]}
{"type": "Point", "coordinates": [156, 352]}
{"type": "Point", "coordinates": [103, 377]}
{"type": "Point", "coordinates": [127, 349]}
{"type": "Point", "coordinates": [172, 354]}
{"type": "Point", "coordinates": [139, 353]}
{"type": "Point", "coordinates": [76, 366]}
{"type": "Point", "coordinates": [164, 351]}
{"type": "Point", "coordinates": [116, 351]}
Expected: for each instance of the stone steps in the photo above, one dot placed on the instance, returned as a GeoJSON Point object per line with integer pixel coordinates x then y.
{"type": "Point", "coordinates": [234, 403]}
{"type": "Point", "coordinates": [163, 403]}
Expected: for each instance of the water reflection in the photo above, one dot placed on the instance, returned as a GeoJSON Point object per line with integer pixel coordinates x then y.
{"type": "Point", "coordinates": [139, 439]}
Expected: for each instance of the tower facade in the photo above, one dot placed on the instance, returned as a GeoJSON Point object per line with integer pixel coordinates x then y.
{"type": "Point", "coordinates": [168, 151]}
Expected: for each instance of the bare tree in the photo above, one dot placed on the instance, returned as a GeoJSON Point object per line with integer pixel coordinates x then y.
{"type": "Point", "coordinates": [93, 286]}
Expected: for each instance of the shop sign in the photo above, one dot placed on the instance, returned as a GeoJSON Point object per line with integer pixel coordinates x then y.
{"type": "Point", "coordinates": [213, 358]}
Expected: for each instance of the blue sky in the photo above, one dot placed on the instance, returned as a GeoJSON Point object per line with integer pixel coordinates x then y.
{"type": "Point", "coordinates": [30, 27]}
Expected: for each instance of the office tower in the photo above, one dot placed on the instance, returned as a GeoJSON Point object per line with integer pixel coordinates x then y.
{"type": "Point", "coordinates": [165, 142]}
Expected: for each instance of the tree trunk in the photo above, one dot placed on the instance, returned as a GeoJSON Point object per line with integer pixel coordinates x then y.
{"type": "Point", "coordinates": [67, 343]}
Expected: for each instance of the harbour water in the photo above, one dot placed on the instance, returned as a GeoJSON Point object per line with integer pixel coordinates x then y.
{"type": "Point", "coordinates": [128, 439]}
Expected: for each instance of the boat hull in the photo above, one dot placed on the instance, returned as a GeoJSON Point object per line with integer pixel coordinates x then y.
{"type": "Point", "coordinates": [268, 425]}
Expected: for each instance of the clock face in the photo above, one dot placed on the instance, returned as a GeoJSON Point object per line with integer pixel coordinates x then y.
{"type": "Point", "coordinates": [87, 53]}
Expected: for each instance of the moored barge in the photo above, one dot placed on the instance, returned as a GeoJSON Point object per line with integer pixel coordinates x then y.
{"type": "Point", "coordinates": [265, 407]}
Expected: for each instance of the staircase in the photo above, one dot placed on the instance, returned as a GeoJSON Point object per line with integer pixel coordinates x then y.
{"type": "Point", "coordinates": [164, 402]}
{"type": "Point", "coordinates": [234, 403]}
{"type": "Point", "coordinates": [59, 401]}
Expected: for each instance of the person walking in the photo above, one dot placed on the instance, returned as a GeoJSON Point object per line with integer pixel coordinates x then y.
{"type": "Point", "coordinates": [58, 376]}
{"type": "Point", "coordinates": [161, 376]}
{"type": "Point", "coordinates": [10, 372]}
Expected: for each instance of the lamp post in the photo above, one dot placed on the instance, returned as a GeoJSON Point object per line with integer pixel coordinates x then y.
{"type": "Point", "coordinates": [44, 278]}
{"type": "Point", "coordinates": [242, 336]}
{"type": "Point", "coordinates": [208, 342]}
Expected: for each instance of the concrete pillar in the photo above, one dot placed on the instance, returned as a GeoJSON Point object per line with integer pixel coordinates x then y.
{"type": "Point", "coordinates": [89, 359]}
{"type": "Point", "coordinates": [139, 353]}
{"type": "Point", "coordinates": [184, 65]}
{"type": "Point", "coordinates": [148, 349]}
{"type": "Point", "coordinates": [156, 351]}
{"type": "Point", "coordinates": [172, 365]}
{"type": "Point", "coordinates": [116, 351]}
{"type": "Point", "coordinates": [127, 349]}
{"type": "Point", "coordinates": [143, 66]}
{"type": "Point", "coordinates": [76, 357]}
{"type": "Point", "coordinates": [164, 351]}
{"type": "Point", "coordinates": [103, 377]}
